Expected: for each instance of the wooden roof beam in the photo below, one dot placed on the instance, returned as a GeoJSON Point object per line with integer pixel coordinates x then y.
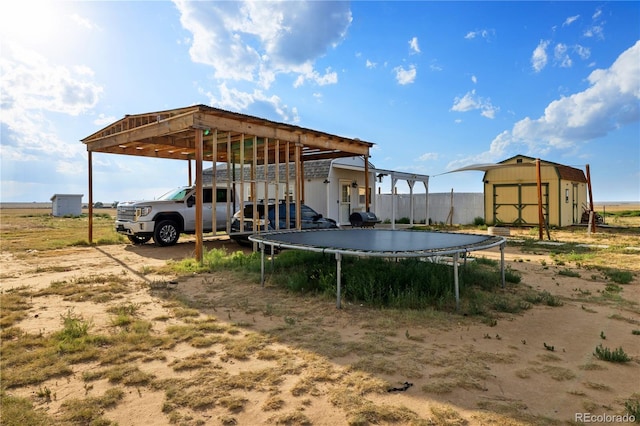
{"type": "Point", "coordinates": [173, 125]}
{"type": "Point", "coordinates": [204, 120]}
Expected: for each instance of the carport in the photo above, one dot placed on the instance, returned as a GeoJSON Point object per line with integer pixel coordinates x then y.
{"type": "Point", "coordinates": [202, 133]}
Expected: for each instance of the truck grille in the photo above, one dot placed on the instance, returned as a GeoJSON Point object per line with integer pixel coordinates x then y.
{"type": "Point", "coordinates": [126, 213]}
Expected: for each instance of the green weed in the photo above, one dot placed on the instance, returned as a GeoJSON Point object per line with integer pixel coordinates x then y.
{"type": "Point", "coordinates": [606, 354]}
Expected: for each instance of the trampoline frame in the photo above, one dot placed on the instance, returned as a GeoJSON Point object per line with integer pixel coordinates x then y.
{"type": "Point", "coordinates": [268, 239]}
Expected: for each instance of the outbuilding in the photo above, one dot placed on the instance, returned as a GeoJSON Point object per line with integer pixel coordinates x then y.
{"type": "Point", "coordinates": [511, 192]}
{"type": "Point", "coordinates": [201, 134]}
{"type": "Point", "coordinates": [66, 204]}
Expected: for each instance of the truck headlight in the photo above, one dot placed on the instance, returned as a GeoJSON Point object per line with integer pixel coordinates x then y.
{"type": "Point", "coordinates": [143, 211]}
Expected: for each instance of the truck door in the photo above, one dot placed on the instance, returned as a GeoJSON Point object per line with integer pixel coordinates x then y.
{"type": "Point", "coordinates": [207, 209]}
{"type": "Point", "coordinates": [221, 208]}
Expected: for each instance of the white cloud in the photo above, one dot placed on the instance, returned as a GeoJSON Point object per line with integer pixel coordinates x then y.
{"type": "Point", "coordinates": [583, 52]}
{"type": "Point", "coordinates": [33, 87]}
{"type": "Point", "coordinates": [309, 74]}
{"type": "Point", "coordinates": [31, 82]}
{"type": "Point", "coordinates": [596, 31]}
{"type": "Point", "coordinates": [428, 156]}
{"type": "Point", "coordinates": [104, 120]}
{"type": "Point", "coordinates": [405, 76]}
{"type": "Point", "coordinates": [435, 66]}
{"type": "Point", "coordinates": [474, 79]}
{"type": "Point", "coordinates": [255, 41]}
{"type": "Point", "coordinates": [561, 56]}
{"type": "Point", "coordinates": [610, 102]}
{"type": "Point", "coordinates": [539, 57]}
{"type": "Point", "coordinates": [485, 34]}
{"type": "Point", "coordinates": [270, 107]}
{"type": "Point", "coordinates": [470, 102]}
{"type": "Point", "coordinates": [413, 45]}
{"type": "Point", "coordinates": [83, 22]}
{"type": "Point", "coordinates": [570, 20]}
{"type": "Point", "coordinates": [370, 64]}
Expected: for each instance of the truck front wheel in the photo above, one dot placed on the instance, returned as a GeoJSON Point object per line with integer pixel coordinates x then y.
{"type": "Point", "coordinates": [166, 233]}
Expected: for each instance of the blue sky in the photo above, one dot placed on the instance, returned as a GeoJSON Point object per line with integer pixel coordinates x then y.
{"type": "Point", "coordinates": [435, 85]}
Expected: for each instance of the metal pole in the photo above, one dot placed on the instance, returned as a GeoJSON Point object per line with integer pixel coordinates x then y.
{"type": "Point", "coordinates": [261, 264]}
{"type": "Point", "coordinates": [90, 197]}
{"type": "Point", "coordinates": [456, 284]}
{"type": "Point", "coordinates": [502, 263]}
{"type": "Point", "coordinates": [338, 279]}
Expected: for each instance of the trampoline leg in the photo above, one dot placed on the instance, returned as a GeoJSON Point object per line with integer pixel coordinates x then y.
{"type": "Point", "coordinates": [456, 287]}
{"type": "Point", "coordinates": [262, 264]}
{"type": "Point", "coordinates": [273, 261]}
{"type": "Point", "coordinates": [502, 264]}
{"type": "Point", "coordinates": [338, 278]}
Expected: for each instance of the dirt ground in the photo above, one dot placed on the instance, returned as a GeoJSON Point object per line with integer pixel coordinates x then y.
{"type": "Point", "coordinates": [474, 373]}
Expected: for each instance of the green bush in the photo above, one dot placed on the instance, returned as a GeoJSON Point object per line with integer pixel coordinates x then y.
{"type": "Point", "coordinates": [619, 277]}
{"type": "Point", "coordinates": [606, 354]}
{"type": "Point", "coordinates": [478, 221]}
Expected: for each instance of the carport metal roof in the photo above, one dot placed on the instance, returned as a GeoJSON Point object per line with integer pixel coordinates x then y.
{"type": "Point", "coordinates": [203, 133]}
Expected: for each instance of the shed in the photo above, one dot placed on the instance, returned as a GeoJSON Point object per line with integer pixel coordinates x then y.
{"type": "Point", "coordinates": [511, 194]}
{"type": "Point", "coordinates": [66, 204]}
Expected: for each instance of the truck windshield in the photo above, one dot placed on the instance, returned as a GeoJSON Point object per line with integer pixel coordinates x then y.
{"type": "Point", "coordinates": [174, 195]}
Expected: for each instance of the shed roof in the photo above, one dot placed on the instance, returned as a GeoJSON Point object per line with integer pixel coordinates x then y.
{"type": "Point", "coordinates": [171, 134]}
{"type": "Point", "coordinates": [564, 172]}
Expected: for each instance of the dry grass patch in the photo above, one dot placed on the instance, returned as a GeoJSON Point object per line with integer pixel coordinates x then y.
{"type": "Point", "coordinates": [273, 403]}
{"type": "Point", "coordinates": [23, 229]}
{"type": "Point", "coordinates": [464, 368]}
{"type": "Point", "coordinates": [90, 411]}
{"type": "Point", "coordinates": [93, 288]}
{"type": "Point", "coordinates": [512, 412]}
{"type": "Point", "coordinates": [14, 305]}
{"type": "Point", "coordinates": [193, 362]}
{"type": "Point", "coordinates": [445, 415]}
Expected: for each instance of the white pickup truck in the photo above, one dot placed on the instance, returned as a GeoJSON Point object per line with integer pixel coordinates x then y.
{"type": "Point", "coordinates": [165, 218]}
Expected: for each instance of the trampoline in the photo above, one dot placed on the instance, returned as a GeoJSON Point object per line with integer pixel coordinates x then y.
{"type": "Point", "coordinates": [381, 243]}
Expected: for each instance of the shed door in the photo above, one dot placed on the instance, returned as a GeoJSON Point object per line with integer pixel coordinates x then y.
{"type": "Point", "coordinates": [574, 201]}
{"type": "Point", "coordinates": [517, 204]}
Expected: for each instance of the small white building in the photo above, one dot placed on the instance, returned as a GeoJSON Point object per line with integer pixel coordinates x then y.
{"type": "Point", "coordinates": [66, 204]}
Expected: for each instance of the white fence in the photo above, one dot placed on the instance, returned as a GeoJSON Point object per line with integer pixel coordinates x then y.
{"type": "Point", "coordinates": [466, 206]}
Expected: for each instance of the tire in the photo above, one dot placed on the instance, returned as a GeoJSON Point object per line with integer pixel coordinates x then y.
{"type": "Point", "coordinates": [166, 233]}
{"type": "Point", "coordinates": [137, 240]}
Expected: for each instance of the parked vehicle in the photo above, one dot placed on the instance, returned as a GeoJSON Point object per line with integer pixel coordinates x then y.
{"type": "Point", "coordinates": [310, 219]}
{"type": "Point", "coordinates": [165, 218]}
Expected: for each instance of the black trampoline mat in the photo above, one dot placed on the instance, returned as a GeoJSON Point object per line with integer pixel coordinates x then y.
{"type": "Point", "coordinates": [377, 240]}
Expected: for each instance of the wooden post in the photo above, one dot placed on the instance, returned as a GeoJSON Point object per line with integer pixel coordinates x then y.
{"type": "Point", "coordinates": [592, 226]}
{"type": "Point", "coordinates": [366, 182]}
{"type": "Point", "coordinates": [540, 215]}
{"type": "Point", "coordinates": [450, 215]}
{"type": "Point", "coordinates": [90, 165]}
{"type": "Point", "coordinates": [199, 193]}
{"type": "Point", "coordinates": [299, 179]}
{"type": "Point", "coordinates": [214, 183]}
{"type": "Point", "coordinates": [231, 185]}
